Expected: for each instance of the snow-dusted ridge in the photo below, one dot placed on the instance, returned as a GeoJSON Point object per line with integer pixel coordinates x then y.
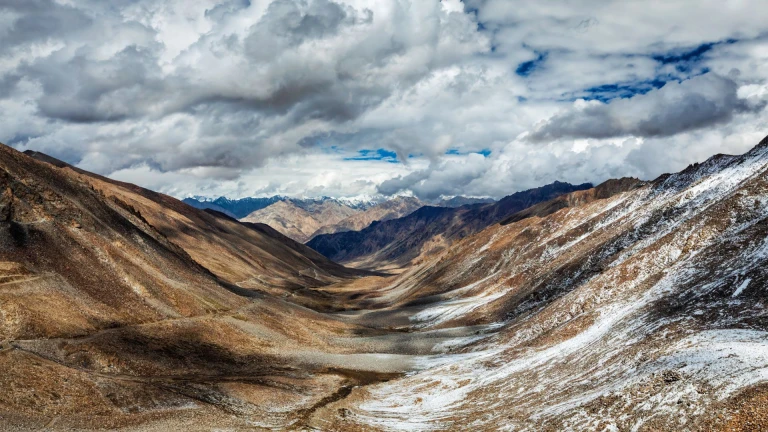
{"type": "Point", "coordinates": [643, 311]}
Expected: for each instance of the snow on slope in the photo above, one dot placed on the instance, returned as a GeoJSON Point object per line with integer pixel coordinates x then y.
{"type": "Point", "coordinates": [642, 311]}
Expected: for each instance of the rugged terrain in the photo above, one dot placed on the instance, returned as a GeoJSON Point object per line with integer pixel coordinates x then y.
{"type": "Point", "coordinates": [391, 209]}
{"type": "Point", "coordinates": [242, 207]}
{"type": "Point", "coordinates": [428, 230]}
{"type": "Point", "coordinates": [644, 310]}
{"type": "Point", "coordinates": [628, 306]}
{"type": "Point", "coordinates": [301, 222]}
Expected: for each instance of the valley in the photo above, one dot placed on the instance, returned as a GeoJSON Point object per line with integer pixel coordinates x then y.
{"type": "Point", "coordinates": [632, 305]}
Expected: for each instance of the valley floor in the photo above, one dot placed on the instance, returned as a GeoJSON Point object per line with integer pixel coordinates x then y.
{"type": "Point", "coordinates": [275, 365]}
{"type": "Point", "coordinates": [289, 364]}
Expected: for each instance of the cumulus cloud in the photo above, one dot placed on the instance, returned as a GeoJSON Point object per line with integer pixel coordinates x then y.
{"type": "Point", "coordinates": [699, 102]}
{"type": "Point", "coordinates": [449, 177]}
{"type": "Point", "coordinates": [475, 97]}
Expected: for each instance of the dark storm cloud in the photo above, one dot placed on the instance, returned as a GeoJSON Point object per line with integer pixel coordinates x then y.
{"type": "Point", "coordinates": [39, 20]}
{"type": "Point", "coordinates": [289, 23]}
{"type": "Point", "coordinates": [86, 90]}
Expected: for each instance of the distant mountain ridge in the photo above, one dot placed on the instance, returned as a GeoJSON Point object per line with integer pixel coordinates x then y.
{"type": "Point", "coordinates": [242, 207]}
{"type": "Point", "coordinates": [395, 208]}
{"type": "Point", "coordinates": [299, 220]}
{"type": "Point", "coordinates": [428, 229]}
{"type": "Point", "coordinates": [459, 201]}
{"type": "Point", "coordinates": [237, 208]}
{"type": "Point", "coordinates": [305, 218]}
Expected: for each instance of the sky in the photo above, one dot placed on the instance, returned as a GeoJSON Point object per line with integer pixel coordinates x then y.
{"type": "Point", "coordinates": [349, 98]}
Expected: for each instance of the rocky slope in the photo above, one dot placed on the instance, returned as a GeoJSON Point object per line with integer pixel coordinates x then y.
{"type": "Point", "coordinates": [427, 230]}
{"type": "Point", "coordinates": [635, 310]}
{"type": "Point", "coordinates": [629, 306]}
{"type": "Point", "coordinates": [300, 222]}
{"type": "Point", "coordinates": [391, 209]}
{"type": "Point", "coordinates": [243, 254]}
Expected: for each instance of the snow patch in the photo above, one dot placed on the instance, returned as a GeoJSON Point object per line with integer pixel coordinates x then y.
{"type": "Point", "coordinates": [741, 287]}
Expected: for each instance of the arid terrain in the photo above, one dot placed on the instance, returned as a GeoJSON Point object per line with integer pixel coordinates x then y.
{"type": "Point", "coordinates": [299, 223]}
{"type": "Point", "coordinates": [391, 209]}
{"type": "Point", "coordinates": [396, 243]}
{"type": "Point", "coordinates": [633, 305]}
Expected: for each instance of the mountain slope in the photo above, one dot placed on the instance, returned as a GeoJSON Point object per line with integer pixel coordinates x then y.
{"type": "Point", "coordinates": [74, 262]}
{"type": "Point", "coordinates": [428, 229]}
{"type": "Point", "coordinates": [299, 222]}
{"type": "Point", "coordinates": [391, 209]}
{"type": "Point", "coordinates": [628, 306]}
{"type": "Point", "coordinates": [234, 252]}
{"type": "Point", "coordinates": [289, 219]}
{"type": "Point", "coordinates": [643, 310]}
{"type": "Point", "coordinates": [119, 310]}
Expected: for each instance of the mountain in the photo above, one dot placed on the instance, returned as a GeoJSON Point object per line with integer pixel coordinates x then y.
{"type": "Point", "coordinates": [124, 308]}
{"type": "Point", "coordinates": [639, 308]}
{"type": "Point", "coordinates": [428, 229]}
{"type": "Point", "coordinates": [300, 219]}
{"type": "Point", "coordinates": [251, 256]}
{"type": "Point", "coordinates": [392, 209]}
{"type": "Point", "coordinates": [287, 218]}
{"type": "Point", "coordinates": [633, 305]}
{"type": "Point", "coordinates": [459, 201]}
{"type": "Point", "coordinates": [236, 208]}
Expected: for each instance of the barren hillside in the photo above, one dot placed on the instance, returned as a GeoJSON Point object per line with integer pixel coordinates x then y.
{"type": "Point", "coordinates": [392, 209]}
{"type": "Point", "coordinates": [300, 222]}
{"type": "Point", "coordinates": [644, 310]}
{"type": "Point", "coordinates": [629, 306]}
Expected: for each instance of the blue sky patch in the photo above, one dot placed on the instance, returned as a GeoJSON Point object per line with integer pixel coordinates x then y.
{"type": "Point", "coordinates": [526, 68]}
{"type": "Point", "coordinates": [689, 55]}
{"type": "Point", "coordinates": [622, 90]}
{"type": "Point", "coordinates": [686, 60]}
{"type": "Point", "coordinates": [379, 154]}
{"type": "Point", "coordinates": [485, 152]}
{"type": "Point", "coordinates": [687, 64]}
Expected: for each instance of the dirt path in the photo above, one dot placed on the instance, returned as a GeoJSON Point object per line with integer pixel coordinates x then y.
{"type": "Point", "coordinates": [18, 281]}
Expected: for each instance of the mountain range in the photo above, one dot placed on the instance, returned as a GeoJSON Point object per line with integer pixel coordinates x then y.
{"type": "Point", "coordinates": [303, 219]}
{"type": "Point", "coordinates": [428, 230]}
{"type": "Point", "coordinates": [243, 207]}
{"type": "Point", "coordinates": [632, 305]}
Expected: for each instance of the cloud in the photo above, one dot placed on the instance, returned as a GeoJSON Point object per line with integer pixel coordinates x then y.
{"type": "Point", "coordinates": [244, 97]}
{"type": "Point", "coordinates": [699, 102]}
